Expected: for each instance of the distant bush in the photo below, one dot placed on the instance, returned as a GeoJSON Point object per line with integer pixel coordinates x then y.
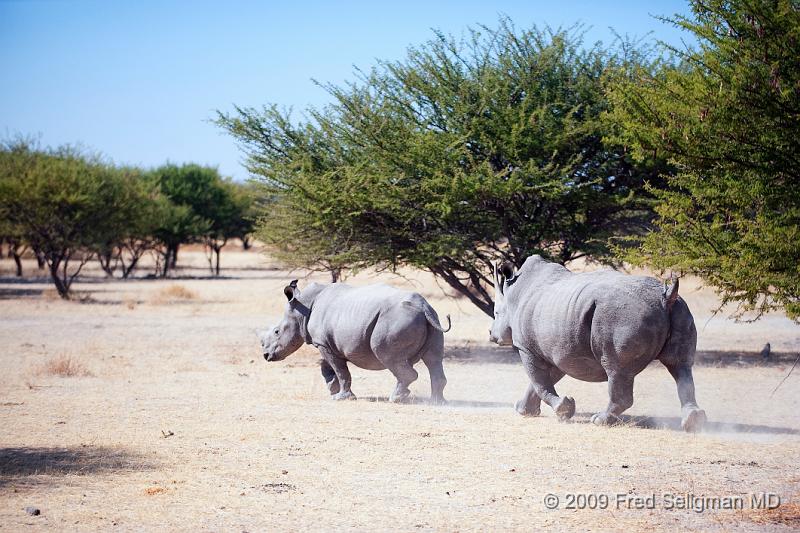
{"type": "Point", "coordinates": [62, 202]}
{"type": "Point", "coordinates": [70, 207]}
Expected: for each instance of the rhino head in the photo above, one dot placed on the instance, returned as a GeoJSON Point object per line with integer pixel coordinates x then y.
{"type": "Point", "coordinates": [286, 337]}
{"type": "Point", "coordinates": [500, 333]}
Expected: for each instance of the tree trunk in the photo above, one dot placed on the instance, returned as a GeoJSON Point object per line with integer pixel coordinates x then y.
{"type": "Point", "coordinates": [61, 285]}
{"type": "Point", "coordinates": [476, 295]}
{"type": "Point", "coordinates": [126, 271]}
{"type": "Point", "coordinates": [336, 274]}
{"type": "Point", "coordinates": [246, 243]}
{"type": "Point", "coordinates": [217, 250]}
{"type": "Point", "coordinates": [105, 263]}
{"type": "Point", "coordinates": [18, 261]}
{"type": "Point", "coordinates": [167, 254]}
{"type": "Point", "coordinates": [16, 251]}
{"type": "Point", "coordinates": [174, 259]}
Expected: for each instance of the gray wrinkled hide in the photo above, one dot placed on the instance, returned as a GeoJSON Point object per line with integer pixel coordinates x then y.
{"type": "Point", "coordinates": [374, 327]}
{"type": "Point", "coordinates": [593, 326]}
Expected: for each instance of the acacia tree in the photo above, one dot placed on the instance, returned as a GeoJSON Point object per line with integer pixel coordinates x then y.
{"type": "Point", "coordinates": [227, 215]}
{"type": "Point", "coordinates": [202, 207]}
{"type": "Point", "coordinates": [727, 115]}
{"type": "Point", "coordinates": [127, 233]}
{"type": "Point", "coordinates": [186, 190]}
{"type": "Point", "coordinates": [131, 226]}
{"type": "Point", "coordinates": [59, 201]}
{"type": "Point", "coordinates": [463, 153]}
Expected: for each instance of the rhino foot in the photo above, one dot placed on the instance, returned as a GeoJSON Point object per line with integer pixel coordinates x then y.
{"type": "Point", "coordinates": [400, 397]}
{"type": "Point", "coordinates": [565, 408]}
{"type": "Point", "coordinates": [693, 421]}
{"type": "Point", "coordinates": [522, 408]}
{"type": "Point", "coordinates": [438, 401]}
{"type": "Point", "coordinates": [604, 419]}
{"type": "Point", "coordinates": [333, 386]}
{"type": "Point", "coordinates": [344, 395]}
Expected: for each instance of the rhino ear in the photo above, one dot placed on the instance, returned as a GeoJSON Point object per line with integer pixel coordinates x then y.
{"type": "Point", "coordinates": [290, 290]}
{"type": "Point", "coordinates": [508, 270]}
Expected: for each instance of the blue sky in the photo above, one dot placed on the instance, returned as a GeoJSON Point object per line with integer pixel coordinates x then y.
{"type": "Point", "coordinates": [138, 81]}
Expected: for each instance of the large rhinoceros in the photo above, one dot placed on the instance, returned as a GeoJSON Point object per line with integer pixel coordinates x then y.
{"type": "Point", "coordinates": [374, 327]}
{"type": "Point", "coordinates": [593, 326]}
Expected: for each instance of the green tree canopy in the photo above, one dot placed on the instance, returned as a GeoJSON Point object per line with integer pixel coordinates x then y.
{"type": "Point", "coordinates": [465, 152]}
{"type": "Point", "coordinates": [60, 202]}
{"type": "Point", "coordinates": [727, 115]}
{"type": "Point", "coordinates": [202, 207]}
{"type": "Point", "coordinates": [131, 222]}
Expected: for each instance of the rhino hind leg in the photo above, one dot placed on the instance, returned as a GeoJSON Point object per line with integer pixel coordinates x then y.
{"type": "Point", "coordinates": [433, 361]}
{"type": "Point", "coordinates": [620, 398]}
{"type": "Point", "coordinates": [692, 417]}
{"type": "Point", "coordinates": [541, 375]}
{"type": "Point", "coordinates": [405, 375]}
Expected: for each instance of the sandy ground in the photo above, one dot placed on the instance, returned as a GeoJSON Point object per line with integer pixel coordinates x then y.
{"type": "Point", "coordinates": [179, 424]}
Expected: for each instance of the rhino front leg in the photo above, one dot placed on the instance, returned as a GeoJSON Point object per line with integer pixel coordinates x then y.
{"type": "Point", "coordinates": [620, 394]}
{"type": "Point", "coordinates": [339, 366]}
{"type": "Point", "coordinates": [530, 404]}
{"type": "Point", "coordinates": [331, 381]}
{"type": "Point", "coordinates": [541, 375]}
{"type": "Point", "coordinates": [692, 417]}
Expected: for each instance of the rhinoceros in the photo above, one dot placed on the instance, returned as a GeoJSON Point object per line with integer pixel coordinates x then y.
{"type": "Point", "coordinates": [593, 326]}
{"type": "Point", "coordinates": [374, 327]}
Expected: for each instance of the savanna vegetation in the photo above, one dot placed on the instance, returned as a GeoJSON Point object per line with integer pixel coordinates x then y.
{"type": "Point", "coordinates": [726, 114]}
{"type": "Point", "coordinates": [492, 147]}
{"type": "Point", "coordinates": [465, 152]}
{"type": "Point", "coordinates": [70, 207]}
{"type": "Point", "coordinates": [514, 141]}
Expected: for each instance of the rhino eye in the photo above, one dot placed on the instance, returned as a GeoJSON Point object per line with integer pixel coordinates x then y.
{"type": "Point", "coordinates": [276, 331]}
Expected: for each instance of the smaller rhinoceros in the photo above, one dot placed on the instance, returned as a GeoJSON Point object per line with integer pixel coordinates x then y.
{"type": "Point", "coordinates": [374, 327]}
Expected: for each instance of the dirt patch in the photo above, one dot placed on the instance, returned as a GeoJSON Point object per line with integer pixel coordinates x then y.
{"type": "Point", "coordinates": [184, 406]}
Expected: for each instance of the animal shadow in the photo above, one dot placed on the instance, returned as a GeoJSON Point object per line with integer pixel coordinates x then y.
{"type": "Point", "coordinates": [417, 400]}
{"type": "Point", "coordinates": [673, 423]}
{"type": "Point", "coordinates": [30, 465]}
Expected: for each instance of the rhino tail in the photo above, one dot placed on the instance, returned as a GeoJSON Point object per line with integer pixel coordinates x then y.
{"type": "Point", "coordinates": [435, 323]}
{"type": "Point", "coordinates": [671, 292]}
{"type": "Point", "coordinates": [433, 320]}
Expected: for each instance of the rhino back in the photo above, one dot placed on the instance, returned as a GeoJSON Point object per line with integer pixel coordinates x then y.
{"type": "Point", "coordinates": [577, 319]}
{"type": "Point", "coordinates": [354, 320]}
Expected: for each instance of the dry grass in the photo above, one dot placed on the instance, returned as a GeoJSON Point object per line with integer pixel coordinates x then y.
{"type": "Point", "coordinates": [788, 514]}
{"type": "Point", "coordinates": [174, 293]}
{"type": "Point", "coordinates": [215, 438]}
{"type": "Point", "coordinates": [50, 294]}
{"type": "Point", "coordinates": [64, 366]}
